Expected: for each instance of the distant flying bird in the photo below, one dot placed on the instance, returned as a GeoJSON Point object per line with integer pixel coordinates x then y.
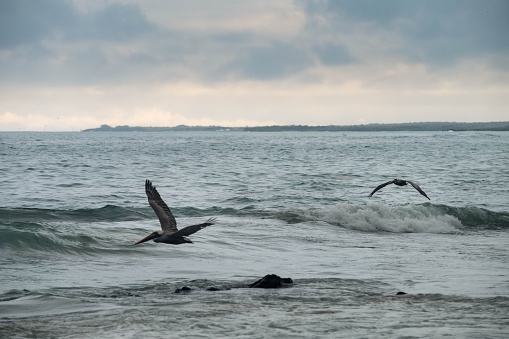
{"type": "Point", "coordinates": [169, 233]}
{"type": "Point", "coordinates": [400, 182]}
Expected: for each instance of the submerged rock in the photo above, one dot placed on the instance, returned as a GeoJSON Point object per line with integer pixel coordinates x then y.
{"type": "Point", "coordinates": [183, 289]}
{"type": "Point", "coordinates": [268, 281]}
{"type": "Point", "coordinates": [271, 281]}
{"type": "Point", "coordinates": [213, 288]}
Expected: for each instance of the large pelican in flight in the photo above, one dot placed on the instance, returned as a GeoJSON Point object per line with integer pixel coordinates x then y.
{"type": "Point", "coordinates": [400, 182]}
{"type": "Point", "coordinates": [169, 233]}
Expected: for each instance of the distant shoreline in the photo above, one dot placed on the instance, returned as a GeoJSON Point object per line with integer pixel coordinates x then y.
{"type": "Point", "coordinates": [412, 126]}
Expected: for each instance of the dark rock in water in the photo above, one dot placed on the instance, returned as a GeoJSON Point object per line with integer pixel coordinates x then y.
{"type": "Point", "coordinates": [401, 293]}
{"type": "Point", "coordinates": [183, 289]}
{"type": "Point", "coordinates": [271, 281]}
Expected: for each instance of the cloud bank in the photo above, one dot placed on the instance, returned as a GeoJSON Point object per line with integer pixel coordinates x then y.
{"type": "Point", "coordinates": [70, 65]}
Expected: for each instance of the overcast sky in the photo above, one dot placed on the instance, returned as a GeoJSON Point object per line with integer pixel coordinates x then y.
{"type": "Point", "coordinates": [75, 64]}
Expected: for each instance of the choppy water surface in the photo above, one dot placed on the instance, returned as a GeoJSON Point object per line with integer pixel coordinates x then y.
{"type": "Point", "coordinates": [292, 204]}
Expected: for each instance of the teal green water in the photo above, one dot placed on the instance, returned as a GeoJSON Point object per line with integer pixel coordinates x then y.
{"type": "Point", "coordinates": [292, 204]}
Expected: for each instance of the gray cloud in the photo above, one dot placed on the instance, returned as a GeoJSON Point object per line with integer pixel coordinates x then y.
{"type": "Point", "coordinates": [331, 54]}
{"type": "Point", "coordinates": [25, 22]}
{"type": "Point", "coordinates": [30, 22]}
{"type": "Point", "coordinates": [115, 22]}
{"type": "Point", "coordinates": [273, 61]}
{"type": "Point", "coordinates": [434, 32]}
{"type": "Point", "coordinates": [53, 42]}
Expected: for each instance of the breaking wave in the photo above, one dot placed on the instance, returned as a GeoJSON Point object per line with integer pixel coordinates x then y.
{"type": "Point", "coordinates": [93, 231]}
{"type": "Point", "coordinates": [400, 219]}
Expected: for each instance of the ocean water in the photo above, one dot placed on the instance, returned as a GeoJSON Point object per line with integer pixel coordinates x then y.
{"type": "Point", "coordinates": [72, 205]}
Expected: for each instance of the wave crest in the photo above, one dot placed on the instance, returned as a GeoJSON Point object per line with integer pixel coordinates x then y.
{"type": "Point", "coordinates": [397, 219]}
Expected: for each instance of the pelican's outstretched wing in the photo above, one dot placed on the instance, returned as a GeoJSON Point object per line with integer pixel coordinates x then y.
{"type": "Point", "coordinates": [194, 228]}
{"type": "Point", "coordinates": [418, 188]}
{"type": "Point", "coordinates": [381, 186]}
{"type": "Point", "coordinates": [166, 218]}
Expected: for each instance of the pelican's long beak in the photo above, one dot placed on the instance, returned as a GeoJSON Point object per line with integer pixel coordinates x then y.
{"type": "Point", "coordinates": [148, 237]}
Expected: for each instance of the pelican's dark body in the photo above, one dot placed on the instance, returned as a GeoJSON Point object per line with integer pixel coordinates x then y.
{"type": "Point", "coordinates": [399, 182]}
{"type": "Point", "coordinates": [173, 239]}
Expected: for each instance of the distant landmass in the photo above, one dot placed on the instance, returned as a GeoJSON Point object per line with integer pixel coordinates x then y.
{"type": "Point", "coordinates": [125, 128]}
{"type": "Point", "coordinates": [412, 126]}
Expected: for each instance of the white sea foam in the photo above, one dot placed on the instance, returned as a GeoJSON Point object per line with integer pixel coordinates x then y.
{"type": "Point", "coordinates": [397, 219]}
